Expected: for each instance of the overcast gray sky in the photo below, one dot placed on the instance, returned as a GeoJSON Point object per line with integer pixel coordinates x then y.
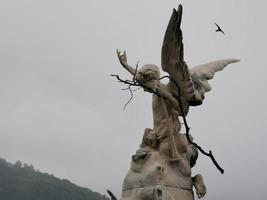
{"type": "Point", "coordinates": [62, 112]}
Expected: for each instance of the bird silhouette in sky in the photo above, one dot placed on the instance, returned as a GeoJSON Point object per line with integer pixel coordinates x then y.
{"type": "Point", "coordinates": [219, 29]}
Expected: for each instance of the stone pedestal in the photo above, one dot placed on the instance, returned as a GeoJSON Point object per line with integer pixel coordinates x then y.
{"type": "Point", "coordinates": [155, 176]}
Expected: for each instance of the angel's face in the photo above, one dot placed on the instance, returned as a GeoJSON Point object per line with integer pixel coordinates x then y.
{"type": "Point", "coordinates": [147, 73]}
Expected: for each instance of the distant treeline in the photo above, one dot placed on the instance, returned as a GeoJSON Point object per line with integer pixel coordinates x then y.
{"type": "Point", "coordinates": [22, 182]}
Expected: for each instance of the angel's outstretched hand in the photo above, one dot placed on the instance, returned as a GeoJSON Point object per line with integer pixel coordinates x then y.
{"type": "Point", "coordinates": [122, 57]}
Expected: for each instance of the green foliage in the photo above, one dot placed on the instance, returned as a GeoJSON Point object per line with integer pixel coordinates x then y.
{"type": "Point", "coordinates": [23, 182]}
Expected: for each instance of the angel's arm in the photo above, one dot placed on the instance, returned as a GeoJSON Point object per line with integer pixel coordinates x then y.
{"type": "Point", "coordinates": [148, 86]}
{"type": "Point", "coordinates": [123, 60]}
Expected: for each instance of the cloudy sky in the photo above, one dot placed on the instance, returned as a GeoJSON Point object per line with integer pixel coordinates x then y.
{"type": "Point", "coordinates": [62, 112]}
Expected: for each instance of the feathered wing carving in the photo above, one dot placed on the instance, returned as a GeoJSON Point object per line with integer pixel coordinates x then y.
{"type": "Point", "coordinates": [172, 47]}
{"type": "Point", "coordinates": [192, 83]}
{"type": "Point", "coordinates": [201, 74]}
{"type": "Point", "coordinates": [172, 59]}
{"type": "Point", "coordinates": [209, 69]}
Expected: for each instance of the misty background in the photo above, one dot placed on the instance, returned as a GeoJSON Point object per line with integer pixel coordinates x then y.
{"type": "Point", "coordinates": [61, 111]}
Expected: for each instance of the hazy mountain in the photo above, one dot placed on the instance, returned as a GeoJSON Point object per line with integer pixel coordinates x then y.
{"type": "Point", "coordinates": [22, 182]}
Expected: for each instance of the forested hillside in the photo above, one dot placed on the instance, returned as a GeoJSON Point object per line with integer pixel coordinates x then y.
{"type": "Point", "coordinates": [22, 182]}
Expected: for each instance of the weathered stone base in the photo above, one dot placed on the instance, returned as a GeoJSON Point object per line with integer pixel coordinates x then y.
{"type": "Point", "coordinates": [158, 192]}
{"type": "Point", "coordinates": [153, 176]}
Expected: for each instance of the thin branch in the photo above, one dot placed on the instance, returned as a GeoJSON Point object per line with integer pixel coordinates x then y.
{"type": "Point", "coordinates": [136, 68]}
{"type": "Point", "coordinates": [137, 89]}
{"type": "Point", "coordinates": [130, 84]}
{"type": "Point", "coordinates": [131, 92]}
{"type": "Point", "coordinates": [135, 83]}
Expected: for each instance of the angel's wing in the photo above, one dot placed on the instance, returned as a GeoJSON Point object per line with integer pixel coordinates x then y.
{"type": "Point", "coordinates": [172, 57]}
{"type": "Point", "coordinates": [172, 48]}
{"type": "Point", "coordinates": [201, 74]}
{"type": "Point", "coordinates": [192, 83]}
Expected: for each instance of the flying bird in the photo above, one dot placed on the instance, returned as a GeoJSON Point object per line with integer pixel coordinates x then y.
{"type": "Point", "coordinates": [219, 29]}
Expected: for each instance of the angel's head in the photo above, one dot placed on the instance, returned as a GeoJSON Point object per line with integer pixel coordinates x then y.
{"type": "Point", "coordinates": [147, 73]}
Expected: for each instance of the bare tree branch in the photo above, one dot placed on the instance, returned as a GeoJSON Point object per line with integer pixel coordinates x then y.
{"type": "Point", "coordinates": [130, 83]}
{"type": "Point", "coordinates": [131, 92]}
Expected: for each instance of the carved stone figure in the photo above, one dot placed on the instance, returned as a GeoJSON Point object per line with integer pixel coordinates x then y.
{"type": "Point", "coordinates": [161, 168]}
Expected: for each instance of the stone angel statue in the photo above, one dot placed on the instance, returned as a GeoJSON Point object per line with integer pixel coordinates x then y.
{"type": "Point", "coordinates": [192, 82]}
{"type": "Point", "coordinates": [166, 156]}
